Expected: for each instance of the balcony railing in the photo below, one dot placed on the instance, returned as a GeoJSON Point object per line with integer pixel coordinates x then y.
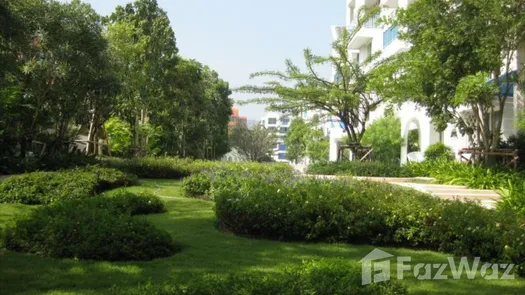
{"type": "Point", "coordinates": [390, 35]}
{"type": "Point", "coordinates": [373, 22]}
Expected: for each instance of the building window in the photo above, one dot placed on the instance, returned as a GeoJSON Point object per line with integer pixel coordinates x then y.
{"type": "Point", "coordinates": [282, 147]}
{"type": "Point", "coordinates": [285, 121]}
{"type": "Point", "coordinates": [272, 121]}
{"type": "Point", "coordinates": [281, 156]}
{"type": "Point", "coordinates": [283, 130]}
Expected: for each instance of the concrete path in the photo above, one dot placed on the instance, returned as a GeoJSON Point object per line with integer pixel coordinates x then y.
{"type": "Point", "coordinates": [487, 198]}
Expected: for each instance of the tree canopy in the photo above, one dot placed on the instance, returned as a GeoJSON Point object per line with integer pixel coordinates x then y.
{"type": "Point", "coordinates": [66, 71]}
{"type": "Point", "coordinates": [350, 97]}
{"type": "Point", "coordinates": [457, 46]}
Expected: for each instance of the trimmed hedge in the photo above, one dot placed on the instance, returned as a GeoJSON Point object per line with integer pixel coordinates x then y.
{"type": "Point", "coordinates": [197, 185]}
{"type": "Point", "coordinates": [365, 212]}
{"type": "Point", "coordinates": [125, 202]}
{"type": "Point", "coordinates": [48, 187]}
{"type": "Point", "coordinates": [355, 168]}
{"type": "Point", "coordinates": [313, 277]}
{"type": "Point", "coordinates": [177, 168]}
{"type": "Point", "coordinates": [76, 229]}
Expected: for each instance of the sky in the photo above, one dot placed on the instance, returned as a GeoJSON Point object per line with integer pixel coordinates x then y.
{"type": "Point", "coordinates": [238, 37]}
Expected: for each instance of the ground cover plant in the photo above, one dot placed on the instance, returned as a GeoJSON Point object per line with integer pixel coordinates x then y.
{"type": "Point", "coordinates": [48, 187]}
{"type": "Point", "coordinates": [356, 168]}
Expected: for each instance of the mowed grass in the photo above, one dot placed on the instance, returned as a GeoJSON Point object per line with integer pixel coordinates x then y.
{"type": "Point", "coordinates": [205, 251]}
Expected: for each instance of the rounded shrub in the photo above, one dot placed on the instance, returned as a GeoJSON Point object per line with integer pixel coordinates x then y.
{"type": "Point", "coordinates": [439, 151]}
{"type": "Point", "coordinates": [108, 178]}
{"type": "Point", "coordinates": [47, 187]}
{"type": "Point", "coordinates": [72, 229]}
{"type": "Point", "coordinates": [125, 202]}
{"type": "Point", "coordinates": [197, 185]}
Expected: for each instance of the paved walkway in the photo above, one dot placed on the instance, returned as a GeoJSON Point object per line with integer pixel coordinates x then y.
{"type": "Point", "coordinates": [487, 198]}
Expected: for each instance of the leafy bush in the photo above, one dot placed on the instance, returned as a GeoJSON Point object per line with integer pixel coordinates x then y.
{"type": "Point", "coordinates": [365, 212]}
{"type": "Point", "coordinates": [108, 178]}
{"type": "Point", "coordinates": [48, 187]}
{"type": "Point", "coordinates": [197, 185]}
{"type": "Point", "coordinates": [125, 202]}
{"type": "Point", "coordinates": [54, 161]}
{"type": "Point", "coordinates": [474, 176]}
{"type": "Point", "coordinates": [313, 277]}
{"type": "Point", "coordinates": [74, 229]}
{"type": "Point", "coordinates": [439, 151]}
{"type": "Point", "coordinates": [384, 135]}
{"type": "Point", "coordinates": [355, 168]}
{"type": "Point", "coordinates": [176, 168]}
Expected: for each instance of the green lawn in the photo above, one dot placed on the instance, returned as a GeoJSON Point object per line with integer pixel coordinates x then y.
{"type": "Point", "coordinates": [205, 250]}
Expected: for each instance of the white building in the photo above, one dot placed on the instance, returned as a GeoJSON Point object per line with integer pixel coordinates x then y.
{"type": "Point", "coordinates": [278, 123]}
{"type": "Point", "coordinates": [373, 38]}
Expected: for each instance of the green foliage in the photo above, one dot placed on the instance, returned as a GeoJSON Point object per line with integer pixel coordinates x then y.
{"type": "Point", "coordinates": [439, 151]}
{"type": "Point", "coordinates": [74, 229]}
{"type": "Point", "coordinates": [433, 75]}
{"type": "Point", "coordinates": [125, 202]}
{"type": "Point", "coordinates": [348, 97]}
{"type": "Point", "coordinates": [313, 277]}
{"type": "Point", "coordinates": [306, 140]}
{"type": "Point", "coordinates": [296, 140]}
{"type": "Point", "coordinates": [119, 135]}
{"type": "Point", "coordinates": [474, 176]}
{"type": "Point", "coordinates": [51, 161]}
{"type": "Point", "coordinates": [254, 144]}
{"type": "Point", "coordinates": [413, 141]}
{"type": "Point", "coordinates": [49, 187]}
{"type": "Point", "coordinates": [176, 168]}
{"type": "Point", "coordinates": [366, 212]}
{"type": "Point", "coordinates": [355, 168]}
{"type": "Point", "coordinates": [384, 135]}
{"type": "Point", "coordinates": [129, 86]}
{"type": "Point", "coordinates": [197, 185]}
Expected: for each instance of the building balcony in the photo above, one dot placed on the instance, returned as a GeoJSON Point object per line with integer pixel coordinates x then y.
{"type": "Point", "coordinates": [389, 3]}
{"type": "Point", "coordinates": [390, 35]}
{"type": "Point", "coordinates": [370, 30]}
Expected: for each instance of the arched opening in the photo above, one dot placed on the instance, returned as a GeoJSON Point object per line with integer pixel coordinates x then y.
{"type": "Point", "coordinates": [411, 148]}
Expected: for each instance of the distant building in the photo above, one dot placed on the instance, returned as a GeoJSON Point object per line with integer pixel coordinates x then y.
{"type": "Point", "coordinates": [279, 124]}
{"type": "Point", "coordinates": [235, 119]}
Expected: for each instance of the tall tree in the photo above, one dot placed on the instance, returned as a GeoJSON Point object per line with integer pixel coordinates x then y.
{"type": "Point", "coordinates": [457, 46]}
{"type": "Point", "coordinates": [350, 97]}
{"type": "Point", "coordinates": [58, 54]}
{"type": "Point", "coordinates": [305, 139]}
{"type": "Point", "coordinates": [143, 42]}
{"type": "Point", "coordinates": [254, 144]}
